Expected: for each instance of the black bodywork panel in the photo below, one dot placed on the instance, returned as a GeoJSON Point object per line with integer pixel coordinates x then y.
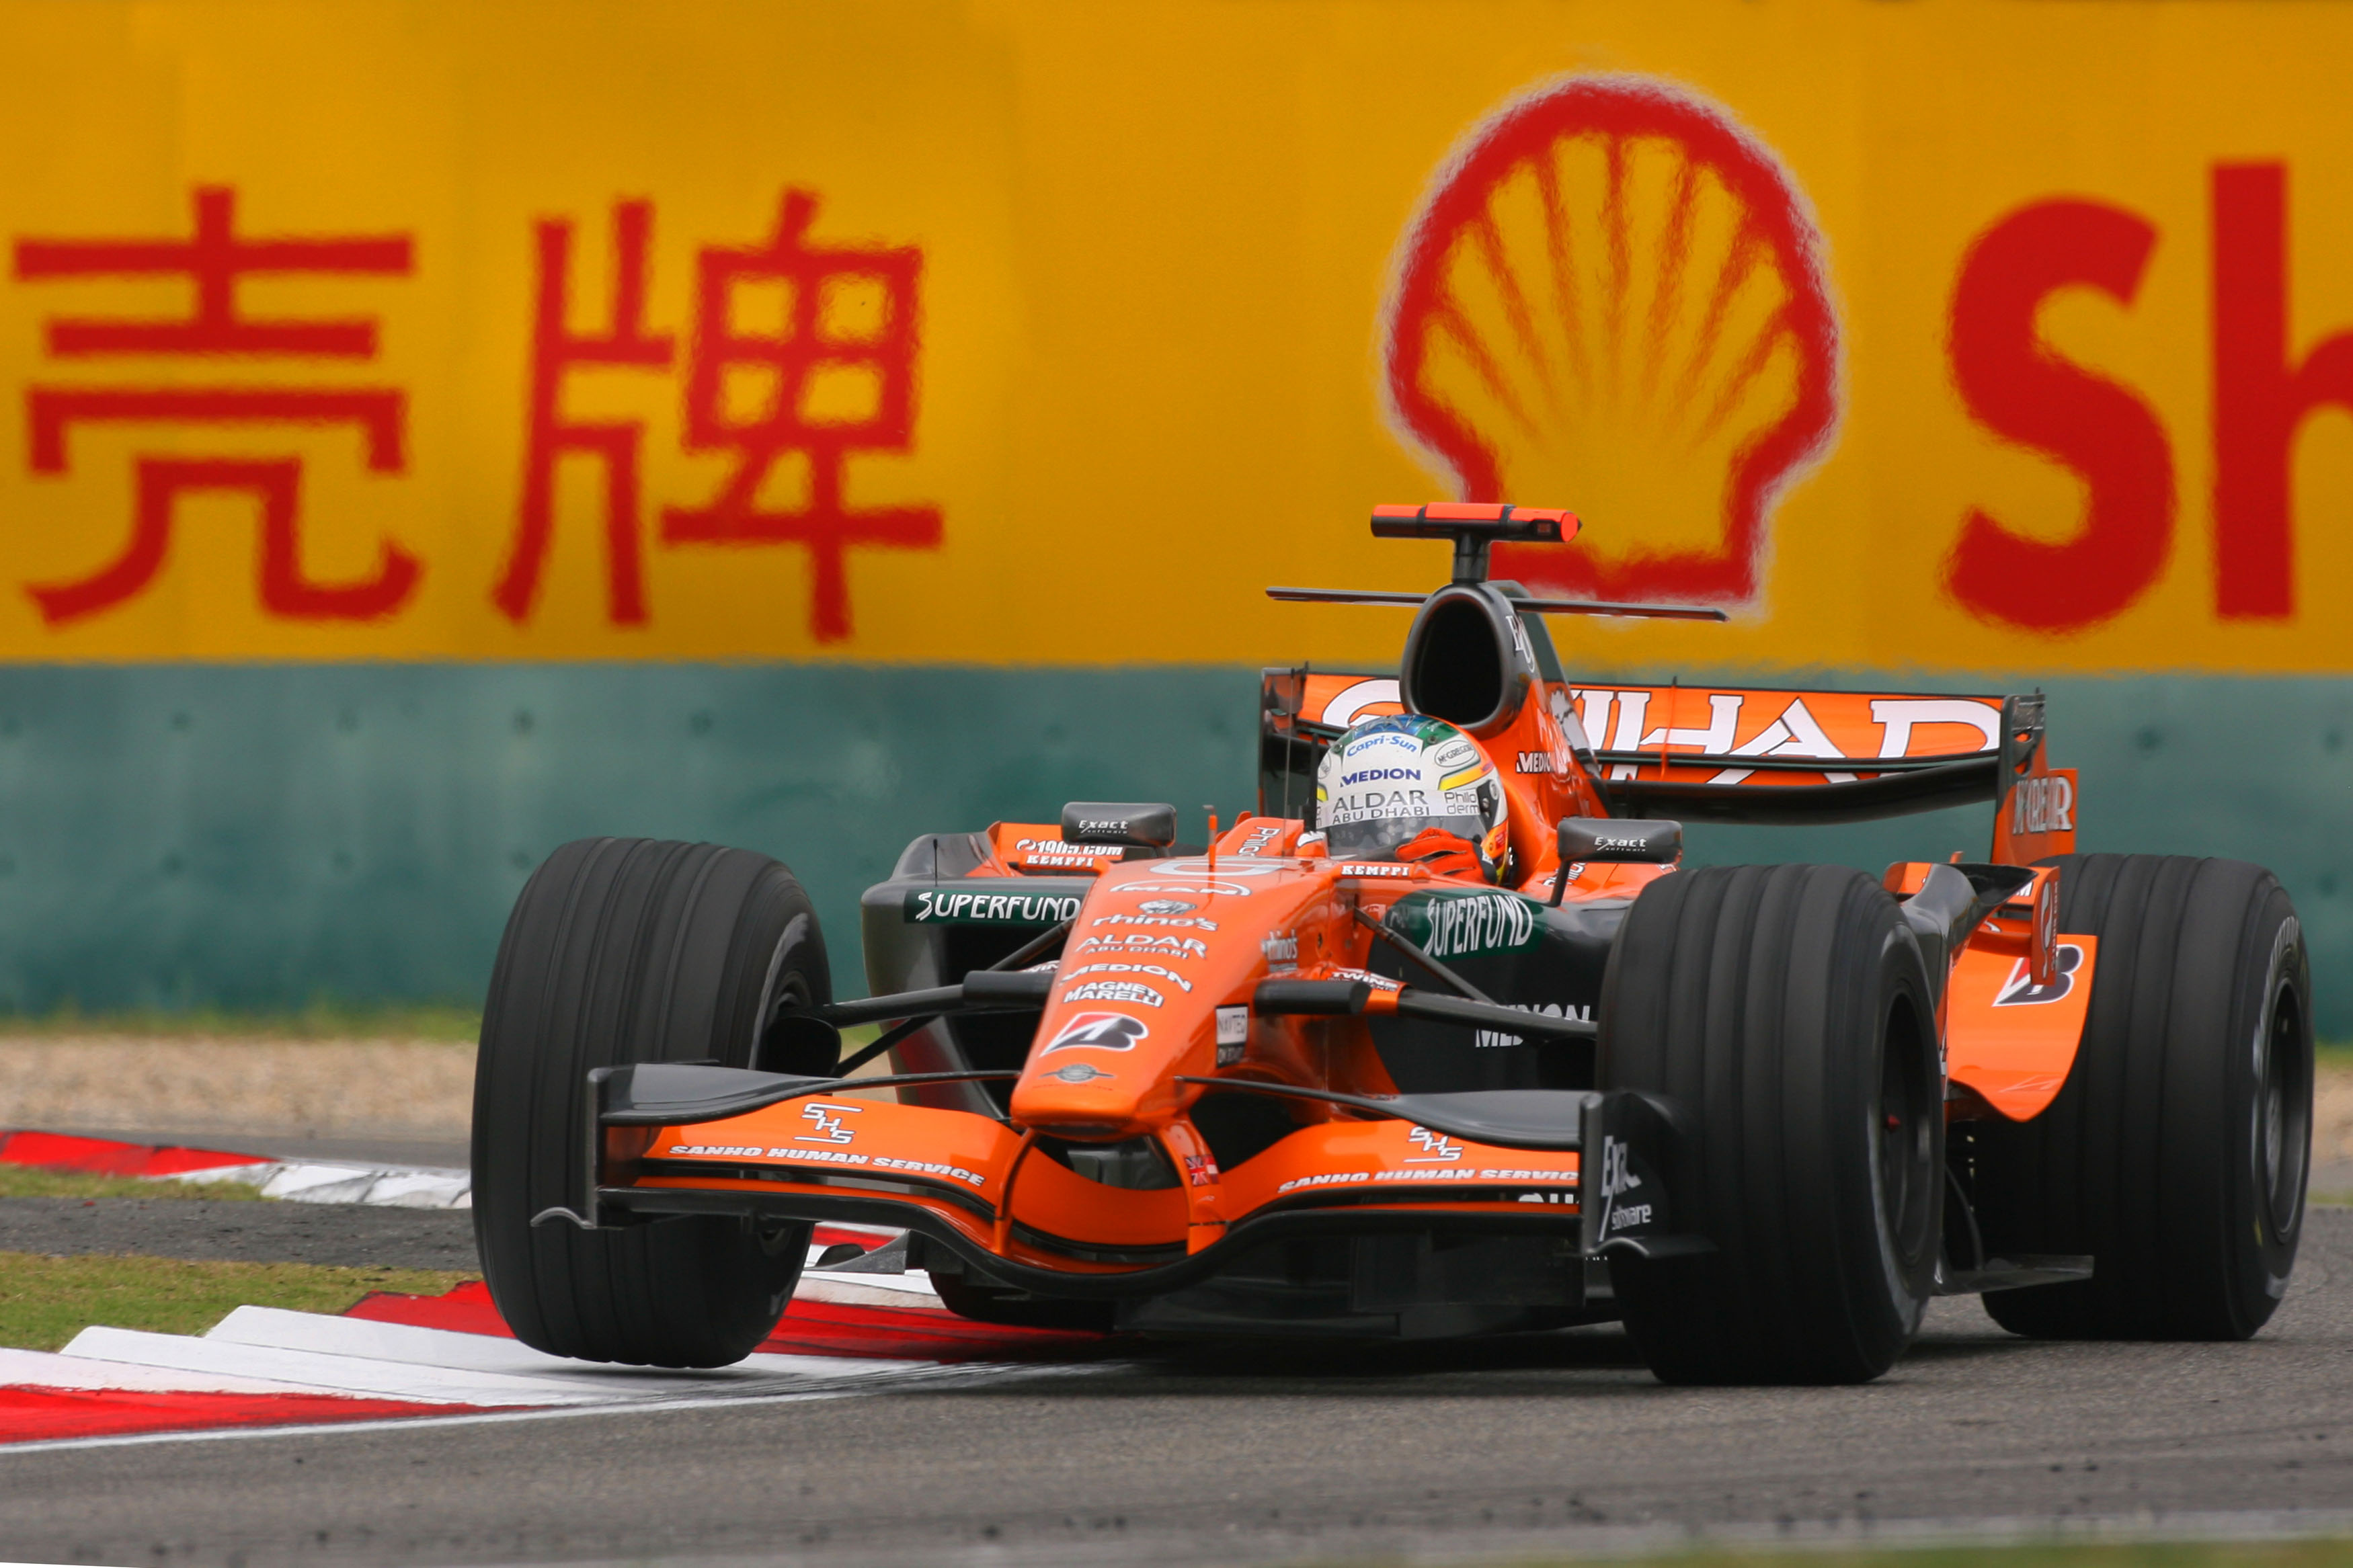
{"type": "Point", "coordinates": [932, 924]}
{"type": "Point", "coordinates": [1521, 952]}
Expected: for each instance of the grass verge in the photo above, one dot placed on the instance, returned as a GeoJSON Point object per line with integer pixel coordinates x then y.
{"type": "Point", "coordinates": [45, 1302]}
{"type": "Point", "coordinates": [25, 1182]}
{"type": "Point", "coordinates": [319, 1021]}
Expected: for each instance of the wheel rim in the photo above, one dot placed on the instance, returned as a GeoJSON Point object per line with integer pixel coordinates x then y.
{"type": "Point", "coordinates": [787, 993]}
{"type": "Point", "coordinates": [2282, 1132]}
{"type": "Point", "coordinates": [1904, 1134]}
{"type": "Point", "coordinates": [784, 988]}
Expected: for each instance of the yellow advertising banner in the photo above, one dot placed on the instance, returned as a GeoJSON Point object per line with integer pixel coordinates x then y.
{"type": "Point", "coordinates": [1997, 336]}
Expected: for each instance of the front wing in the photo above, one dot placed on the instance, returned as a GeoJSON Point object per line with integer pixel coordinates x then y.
{"type": "Point", "coordinates": [986, 1192]}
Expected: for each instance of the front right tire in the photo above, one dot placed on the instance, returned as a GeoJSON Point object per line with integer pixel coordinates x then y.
{"type": "Point", "coordinates": [622, 950]}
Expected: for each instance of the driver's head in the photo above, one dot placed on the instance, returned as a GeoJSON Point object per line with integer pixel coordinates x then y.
{"type": "Point", "coordinates": [1410, 788]}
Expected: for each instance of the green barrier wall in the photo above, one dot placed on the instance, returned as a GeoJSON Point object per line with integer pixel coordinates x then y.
{"type": "Point", "coordinates": [265, 836]}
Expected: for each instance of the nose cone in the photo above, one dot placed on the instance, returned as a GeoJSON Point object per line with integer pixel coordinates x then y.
{"type": "Point", "coordinates": [1158, 948]}
{"type": "Point", "coordinates": [1094, 1070]}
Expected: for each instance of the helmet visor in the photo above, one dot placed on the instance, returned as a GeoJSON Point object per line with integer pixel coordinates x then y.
{"type": "Point", "coordinates": [1380, 837]}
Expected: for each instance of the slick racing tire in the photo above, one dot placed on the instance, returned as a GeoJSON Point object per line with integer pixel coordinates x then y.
{"type": "Point", "coordinates": [1786, 1013]}
{"type": "Point", "coordinates": [618, 951]}
{"type": "Point", "coordinates": [2176, 1152]}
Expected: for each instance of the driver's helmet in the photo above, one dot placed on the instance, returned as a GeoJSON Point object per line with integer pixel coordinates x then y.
{"type": "Point", "coordinates": [1411, 788]}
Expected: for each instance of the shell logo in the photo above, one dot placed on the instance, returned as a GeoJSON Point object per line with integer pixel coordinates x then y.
{"type": "Point", "coordinates": [1614, 299]}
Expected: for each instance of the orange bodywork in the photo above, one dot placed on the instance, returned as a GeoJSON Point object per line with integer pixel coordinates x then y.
{"type": "Point", "coordinates": [2015, 1005]}
{"type": "Point", "coordinates": [1154, 983]}
{"type": "Point", "coordinates": [2010, 1039]}
{"type": "Point", "coordinates": [1164, 945]}
{"type": "Point", "coordinates": [1056, 1215]}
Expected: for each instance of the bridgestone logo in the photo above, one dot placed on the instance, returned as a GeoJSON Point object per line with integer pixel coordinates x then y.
{"type": "Point", "coordinates": [1481, 923]}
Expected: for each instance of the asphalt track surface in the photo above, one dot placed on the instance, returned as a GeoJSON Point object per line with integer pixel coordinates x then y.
{"type": "Point", "coordinates": [211, 1229]}
{"type": "Point", "coordinates": [1218, 1454]}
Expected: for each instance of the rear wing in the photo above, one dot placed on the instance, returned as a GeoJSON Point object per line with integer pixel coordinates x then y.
{"type": "Point", "coordinates": [1768, 755]}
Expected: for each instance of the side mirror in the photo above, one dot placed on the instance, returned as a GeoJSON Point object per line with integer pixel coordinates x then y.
{"type": "Point", "coordinates": [1143, 824]}
{"type": "Point", "coordinates": [1614, 840]}
{"type": "Point", "coordinates": [1611, 840]}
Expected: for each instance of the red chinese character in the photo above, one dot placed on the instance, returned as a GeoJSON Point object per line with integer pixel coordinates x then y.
{"type": "Point", "coordinates": [214, 259]}
{"type": "Point", "coordinates": [837, 377]}
{"type": "Point", "coordinates": [555, 349]}
{"type": "Point", "coordinates": [872, 362]}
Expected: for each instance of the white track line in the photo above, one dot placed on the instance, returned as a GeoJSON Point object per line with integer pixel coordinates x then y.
{"type": "Point", "coordinates": [921, 1374]}
{"type": "Point", "coordinates": [420, 1189]}
{"type": "Point", "coordinates": [274, 1328]}
{"type": "Point", "coordinates": [270, 1351]}
{"type": "Point", "coordinates": [856, 1283]}
{"type": "Point", "coordinates": [343, 1374]}
{"type": "Point", "coordinates": [45, 1369]}
{"type": "Point", "coordinates": [342, 1181]}
{"type": "Point", "coordinates": [902, 1290]}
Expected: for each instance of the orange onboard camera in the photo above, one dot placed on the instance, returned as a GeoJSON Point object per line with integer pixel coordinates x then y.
{"type": "Point", "coordinates": [1440, 1041]}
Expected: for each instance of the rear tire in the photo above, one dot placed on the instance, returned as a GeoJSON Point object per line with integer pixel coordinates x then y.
{"type": "Point", "coordinates": [618, 951]}
{"type": "Point", "coordinates": [1787, 1012]}
{"type": "Point", "coordinates": [2176, 1153]}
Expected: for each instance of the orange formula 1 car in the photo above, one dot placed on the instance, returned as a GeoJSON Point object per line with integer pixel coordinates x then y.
{"type": "Point", "coordinates": [1439, 1041]}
